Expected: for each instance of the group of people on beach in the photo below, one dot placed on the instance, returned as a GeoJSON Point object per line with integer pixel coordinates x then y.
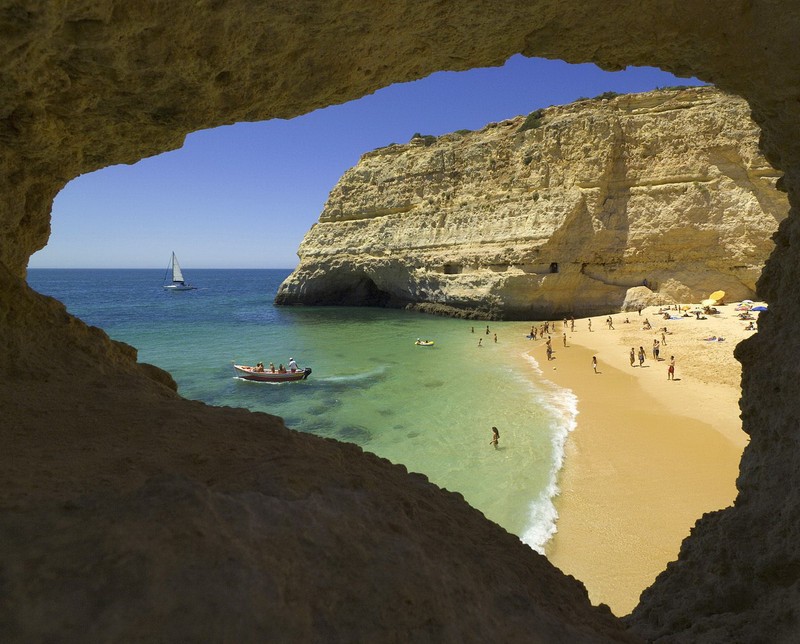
{"type": "Point", "coordinates": [546, 328]}
{"type": "Point", "coordinates": [543, 331]}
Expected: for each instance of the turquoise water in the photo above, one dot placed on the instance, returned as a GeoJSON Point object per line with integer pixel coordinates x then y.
{"type": "Point", "coordinates": [429, 408]}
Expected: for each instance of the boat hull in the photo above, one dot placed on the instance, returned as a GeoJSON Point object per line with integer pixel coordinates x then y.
{"type": "Point", "coordinates": [248, 373]}
{"type": "Point", "coordinates": [179, 287]}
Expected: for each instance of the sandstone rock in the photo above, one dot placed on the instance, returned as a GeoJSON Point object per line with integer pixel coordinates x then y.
{"type": "Point", "coordinates": [562, 217]}
{"type": "Point", "coordinates": [640, 297]}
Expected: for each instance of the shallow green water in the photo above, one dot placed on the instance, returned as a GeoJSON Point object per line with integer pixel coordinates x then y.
{"type": "Point", "coordinates": [429, 408]}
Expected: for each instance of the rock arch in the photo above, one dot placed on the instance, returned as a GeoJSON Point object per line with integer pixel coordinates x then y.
{"type": "Point", "coordinates": [104, 441]}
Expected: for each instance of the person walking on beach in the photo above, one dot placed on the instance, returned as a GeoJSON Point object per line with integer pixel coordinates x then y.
{"type": "Point", "coordinates": [495, 337]}
{"type": "Point", "coordinates": [495, 437]}
{"type": "Point", "coordinates": [590, 324]}
{"type": "Point", "coordinates": [641, 356]}
{"type": "Point", "coordinates": [633, 357]}
{"type": "Point", "coordinates": [594, 363]}
{"type": "Point", "coordinates": [671, 368]}
{"type": "Point", "coordinates": [480, 340]}
{"type": "Point", "coordinates": [487, 329]}
{"type": "Point", "coordinates": [565, 339]}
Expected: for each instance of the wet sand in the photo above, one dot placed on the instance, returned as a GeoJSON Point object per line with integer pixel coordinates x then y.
{"type": "Point", "coordinates": [649, 456]}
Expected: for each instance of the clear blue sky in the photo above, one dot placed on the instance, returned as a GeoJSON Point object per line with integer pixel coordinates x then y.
{"type": "Point", "coordinates": [243, 196]}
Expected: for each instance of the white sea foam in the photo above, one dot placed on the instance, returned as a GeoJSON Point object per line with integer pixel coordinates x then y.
{"type": "Point", "coordinates": [563, 405]}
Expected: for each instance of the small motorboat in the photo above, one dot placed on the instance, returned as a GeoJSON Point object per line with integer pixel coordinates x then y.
{"type": "Point", "coordinates": [424, 343]}
{"type": "Point", "coordinates": [255, 373]}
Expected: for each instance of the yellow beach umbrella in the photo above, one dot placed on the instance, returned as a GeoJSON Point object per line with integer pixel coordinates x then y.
{"type": "Point", "coordinates": [717, 295]}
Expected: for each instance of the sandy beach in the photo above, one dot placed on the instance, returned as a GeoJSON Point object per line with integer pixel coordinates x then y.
{"type": "Point", "coordinates": [649, 456]}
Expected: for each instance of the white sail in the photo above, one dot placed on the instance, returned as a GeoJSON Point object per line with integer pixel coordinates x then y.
{"type": "Point", "coordinates": [177, 276]}
{"type": "Point", "coordinates": [177, 283]}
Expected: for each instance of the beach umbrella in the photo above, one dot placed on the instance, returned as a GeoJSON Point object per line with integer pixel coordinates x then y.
{"type": "Point", "coordinates": [717, 295]}
{"type": "Point", "coordinates": [709, 302]}
{"type": "Point", "coordinates": [750, 302]}
{"type": "Point", "coordinates": [759, 308]}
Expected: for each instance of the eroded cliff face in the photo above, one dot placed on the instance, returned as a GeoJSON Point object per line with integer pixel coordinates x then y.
{"type": "Point", "coordinates": [571, 211]}
{"type": "Point", "coordinates": [129, 513]}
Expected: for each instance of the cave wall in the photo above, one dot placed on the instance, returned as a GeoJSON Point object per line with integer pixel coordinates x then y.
{"type": "Point", "coordinates": [90, 83]}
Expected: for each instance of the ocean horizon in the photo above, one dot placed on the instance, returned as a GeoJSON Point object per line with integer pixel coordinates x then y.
{"type": "Point", "coordinates": [428, 408]}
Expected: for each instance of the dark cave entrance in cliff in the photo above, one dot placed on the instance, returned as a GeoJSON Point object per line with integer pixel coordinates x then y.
{"type": "Point", "coordinates": [356, 290]}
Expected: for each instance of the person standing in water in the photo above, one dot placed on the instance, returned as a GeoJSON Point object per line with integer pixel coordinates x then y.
{"type": "Point", "coordinates": [495, 437]}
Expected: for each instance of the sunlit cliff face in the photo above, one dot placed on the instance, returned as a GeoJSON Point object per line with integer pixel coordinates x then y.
{"type": "Point", "coordinates": [100, 441]}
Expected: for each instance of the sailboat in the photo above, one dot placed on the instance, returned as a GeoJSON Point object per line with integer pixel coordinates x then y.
{"type": "Point", "coordinates": [178, 283]}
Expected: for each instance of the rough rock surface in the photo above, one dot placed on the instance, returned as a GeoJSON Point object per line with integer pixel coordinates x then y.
{"type": "Point", "coordinates": [665, 189]}
{"type": "Point", "coordinates": [92, 83]}
{"type": "Point", "coordinates": [560, 213]}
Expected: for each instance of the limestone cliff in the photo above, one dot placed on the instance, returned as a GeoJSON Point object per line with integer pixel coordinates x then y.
{"type": "Point", "coordinates": [559, 213]}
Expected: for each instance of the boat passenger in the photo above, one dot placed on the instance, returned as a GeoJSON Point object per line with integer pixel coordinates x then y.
{"type": "Point", "coordinates": [292, 365]}
{"type": "Point", "coordinates": [281, 368]}
{"type": "Point", "coordinates": [259, 367]}
{"type": "Point", "coordinates": [272, 367]}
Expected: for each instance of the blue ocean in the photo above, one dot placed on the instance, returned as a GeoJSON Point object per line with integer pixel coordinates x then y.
{"type": "Point", "coordinates": [429, 408]}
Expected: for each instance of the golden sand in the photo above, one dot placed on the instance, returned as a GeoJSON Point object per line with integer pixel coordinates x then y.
{"type": "Point", "coordinates": [649, 456]}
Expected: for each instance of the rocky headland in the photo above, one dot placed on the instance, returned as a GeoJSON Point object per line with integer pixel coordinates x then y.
{"type": "Point", "coordinates": [586, 208]}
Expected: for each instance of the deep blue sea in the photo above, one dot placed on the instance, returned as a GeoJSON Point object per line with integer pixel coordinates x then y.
{"type": "Point", "coordinates": [430, 408]}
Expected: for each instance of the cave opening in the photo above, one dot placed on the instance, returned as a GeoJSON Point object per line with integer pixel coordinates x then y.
{"type": "Point", "coordinates": [353, 290]}
{"type": "Point", "coordinates": [362, 290]}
